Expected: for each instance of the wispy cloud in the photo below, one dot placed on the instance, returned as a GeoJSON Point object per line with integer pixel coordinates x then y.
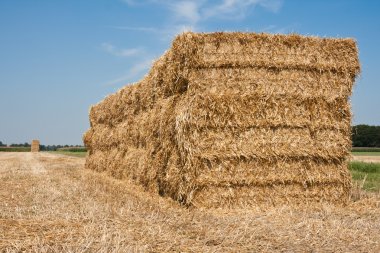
{"type": "Point", "coordinates": [130, 2]}
{"type": "Point", "coordinates": [136, 69]}
{"type": "Point", "coordinates": [184, 15]}
{"type": "Point", "coordinates": [273, 5]}
{"type": "Point", "coordinates": [140, 29]}
{"type": "Point", "coordinates": [143, 2]}
{"type": "Point", "coordinates": [164, 33]}
{"type": "Point", "coordinates": [134, 72]}
{"type": "Point", "coordinates": [186, 11]}
{"type": "Point", "coordinates": [236, 9]}
{"type": "Point", "coordinates": [280, 29]}
{"type": "Point", "coordinates": [189, 15]}
{"type": "Point", "coordinates": [122, 52]}
{"type": "Point", "coordinates": [199, 10]}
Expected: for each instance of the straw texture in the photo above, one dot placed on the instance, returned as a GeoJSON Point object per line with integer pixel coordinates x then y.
{"type": "Point", "coordinates": [234, 119]}
{"type": "Point", "coordinates": [35, 147]}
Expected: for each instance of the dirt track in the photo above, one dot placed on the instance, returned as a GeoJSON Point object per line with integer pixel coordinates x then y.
{"type": "Point", "coordinates": [49, 203]}
{"type": "Point", "coordinates": [373, 159]}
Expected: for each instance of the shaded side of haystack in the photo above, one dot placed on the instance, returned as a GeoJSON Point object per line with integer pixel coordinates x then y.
{"type": "Point", "coordinates": [35, 146]}
{"type": "Point", "coordinates": [234, 119]}
{"type": "Point", "coordinates": [132, 132]}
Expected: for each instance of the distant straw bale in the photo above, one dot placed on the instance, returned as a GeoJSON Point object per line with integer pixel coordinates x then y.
{"type": "Point", "coordinates": [35, 146]}
{"type": "Point", "coordinates": [234, 119]}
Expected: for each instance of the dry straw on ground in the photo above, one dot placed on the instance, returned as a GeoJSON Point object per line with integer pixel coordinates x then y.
{"type": "Point", "coordinates": [234, 119]}
{"type": "Point", "coordinates": [35, 147]}
{"type": "Point", "coordinates": [49, 203]}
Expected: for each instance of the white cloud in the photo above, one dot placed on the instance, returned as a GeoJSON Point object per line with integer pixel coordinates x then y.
{"type": "Point", "coordinates": [122, 52]}
{"type": "Point", "coordinates": [134, 72]}
{"type": "Point", "coordinates": [164, 33]}
{"type": "Point", "coordinates": [280, 29]}
{"type": "Point", "coordinates": [190, 14]}
{"type": "Point", "coordinates": [130, 2]}
{"type": "Point", "coordinates": [272, 5]}
{"type": "Point", "coordinates": [140, 29]}
{"type": "Point", "coordinates": [142, 2]}
{"type": "Point", "coordinates": [198, 10]}
{"type": "Point", "coordinates": [170, 32]}
{"type": "Point", "coordinates": [184, 15]}
{"type": "Point", "coordinates": [186, 11]}
{"type": "Point", "coordinates": [232, 9]}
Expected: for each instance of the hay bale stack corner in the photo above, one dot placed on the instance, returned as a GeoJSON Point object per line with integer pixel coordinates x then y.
{"type": "Point", "coordinates": [234, 119]}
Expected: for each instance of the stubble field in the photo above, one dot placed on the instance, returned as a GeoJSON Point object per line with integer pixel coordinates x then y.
{"type": "Point", "coordinates": [50, 203]}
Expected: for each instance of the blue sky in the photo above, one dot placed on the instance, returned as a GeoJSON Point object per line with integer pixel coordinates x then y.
{"type": "Point", "coordinates": [59, 57]}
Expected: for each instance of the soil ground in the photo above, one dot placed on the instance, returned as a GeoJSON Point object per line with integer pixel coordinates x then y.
{"type": "Point", "coordinates": [50, 203]}
{"type": "Point", "coordinates": [373, 159]}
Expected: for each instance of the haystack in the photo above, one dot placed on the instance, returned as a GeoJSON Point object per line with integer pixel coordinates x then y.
{"type": "Point", "coordinates": [35, 147]}
{"type": "Point", "coordinates": [234, 119]}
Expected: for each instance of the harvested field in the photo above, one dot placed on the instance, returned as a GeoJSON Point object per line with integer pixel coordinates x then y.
{"type": "Point", "coordinates": [50, 203]}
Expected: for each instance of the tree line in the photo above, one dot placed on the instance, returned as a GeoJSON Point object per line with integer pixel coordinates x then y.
{"type": "Point", "coordinates": [366, 136]}
{"type": "Point", "coordinates": [42, 147]}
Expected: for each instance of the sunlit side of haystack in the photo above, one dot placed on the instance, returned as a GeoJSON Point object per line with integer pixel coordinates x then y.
{"type": "Point", "coordinates": [35, 146]}
{"type": "Point", "coordinates": [234, 119]}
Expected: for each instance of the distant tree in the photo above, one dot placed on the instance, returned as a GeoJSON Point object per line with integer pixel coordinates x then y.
{"type": "Point", "coordinates": [366, 136]}
{"type": "Point", "coordinates": [42, 147]}
{"type": "Point", "coordinates": [2, 144]}
{"type": "Point", "coordinates": [20, 145]}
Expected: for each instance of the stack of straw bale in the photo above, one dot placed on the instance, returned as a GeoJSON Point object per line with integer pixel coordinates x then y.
{"type": "Point", "coordinates": [35, 146]}
{"type": "Point", "coordinates": [234, 119]}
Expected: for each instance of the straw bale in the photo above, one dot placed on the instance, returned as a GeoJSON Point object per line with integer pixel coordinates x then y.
{"type": "Point", "coordinates": [275, 194]}
{"type": "Point", "coordinates": [215, 50]}
{"type": "Point", "coordinates": [35, 146]}
{"type": "Point", "coordinates": [288, 82]}
{"type": "Point", "coordinates": [234, 119]}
